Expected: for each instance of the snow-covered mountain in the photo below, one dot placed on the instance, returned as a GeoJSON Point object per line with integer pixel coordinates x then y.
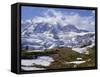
{"type": "Point", "coordinates": [45, 32]}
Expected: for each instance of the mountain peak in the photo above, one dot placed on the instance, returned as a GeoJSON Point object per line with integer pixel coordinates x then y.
{"type": "Point", "coordinates": [70, 28]}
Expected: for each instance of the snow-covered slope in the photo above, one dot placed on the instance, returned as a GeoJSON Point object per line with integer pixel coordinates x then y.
{"type": "Point", "coordinates": [46, 32]}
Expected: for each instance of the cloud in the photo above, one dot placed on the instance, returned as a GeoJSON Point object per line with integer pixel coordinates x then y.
{"type": "Point", "coordinates": [93, 12]}
{"type": "Point", "coordinates": [86, 22]}
{"type": "Point", "coordinates": [52, 16]}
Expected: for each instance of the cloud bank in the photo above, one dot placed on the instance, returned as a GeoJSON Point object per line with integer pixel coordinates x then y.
{"type": "Point", "coordinates": [54, 17]}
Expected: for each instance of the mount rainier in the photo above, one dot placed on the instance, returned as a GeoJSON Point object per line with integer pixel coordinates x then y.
{"type": "Point", "coordinates": [46, 32]}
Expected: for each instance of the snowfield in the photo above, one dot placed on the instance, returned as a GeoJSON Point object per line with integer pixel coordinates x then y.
{"type": "Point", "coordinates": [43, 60]}
{"type": "Point", "coordinates": [53, 29]}
{"type": "Point", "coordinates": [84, 49]}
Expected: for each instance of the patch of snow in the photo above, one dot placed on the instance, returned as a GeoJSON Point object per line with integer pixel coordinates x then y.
{"type": "Point", "coordinates": [47, 58]}
{"type": "Point", "coordinates": [90, 46]}
{"type": "Point", "coordinates": [76, 62]}
{"type": "Point", "coordinates": [43, 60]}
{"type": "Point", "coordinates": [27, 62]}
{"type": "Point", "coordinates": [52, 46]}
{"type": "Point", "coordinates": [34, 51]}
{"type": "Point", "coordinates": [84, 49]}
{"type": "Point", "coordinates": [80, 50]}
{"type": "Point", "coordinates": [31, 40]}
{"type": "Point", "coordinates": [79, 58]}
{"type": "Point", "coordinates": [32, 68]}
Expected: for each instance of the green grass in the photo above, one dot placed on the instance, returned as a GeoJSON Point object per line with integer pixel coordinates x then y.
{"type": "Point", "coordinates": [62, 55]}
{"type": "Point", "coordinates": [33, 52]}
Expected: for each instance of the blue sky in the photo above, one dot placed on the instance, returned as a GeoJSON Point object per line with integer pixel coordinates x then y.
{"type": "Point", "coordinates": [29, 12]}
{"type": "Point", "coordinates": [82, 19]}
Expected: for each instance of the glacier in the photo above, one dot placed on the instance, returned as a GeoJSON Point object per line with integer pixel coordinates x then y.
{"type": "Point", "coordinates": [45, 32]}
